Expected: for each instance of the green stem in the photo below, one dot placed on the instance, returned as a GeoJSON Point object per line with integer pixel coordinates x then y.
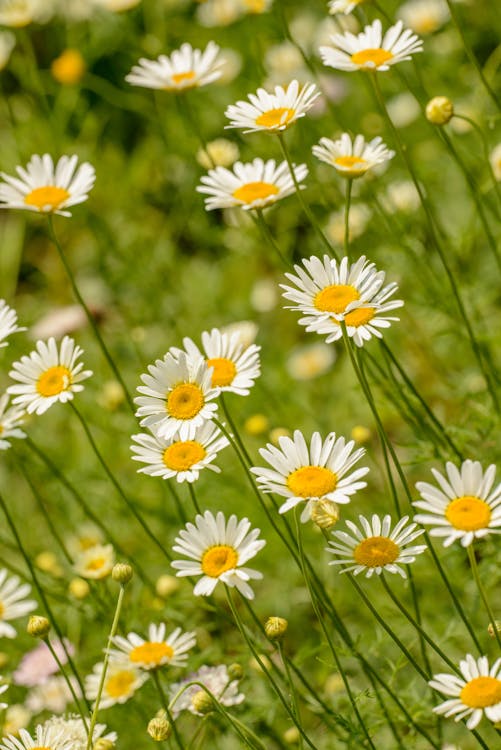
{"type": "Point", "coordinates": [258, 219]}
{"type": "Point", "coordinates": [194, 498]}
{"type": "Point", "coordinates": [349, 187]}
{"type": "Point", "coordinates": [166, 707]}
{"type": "Point", "coordinates": [236, 433]}
{"type": "Point", "coordinates": [292, 688]}
{"type": "Point", "coordinates": [75, 697]}
{"type": "Point", "coordinates": [481, 591]}
{"type": "Point", "coordinates": [485, 149]}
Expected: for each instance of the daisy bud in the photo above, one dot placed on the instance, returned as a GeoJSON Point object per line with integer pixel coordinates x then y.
{"type": "Point", "coordinates": [325, 514]}
{"type": "Point", "coordinates": [361, 434]}
{"type": "Point", "coordinates": [493, 626]}
{"type": "Point", "coordinates": [202, 702]}
{"type": "Point", "coordinates": [38, 626]}
{"type": "Point", "coordinates": [257, 424]}
{"type": "Point", "coordinates": [439, 110]}
{"type": "Point", "coordinates": [166, 585]}
{"type": "Point", "coordinates": [235, 672]}
{"type": "Point", "coordinates": [79, 588]}
{"type": "Point", "coordinates": [103, 744]}
{"type": "Point", "coordinates": [277, 433]}
{"type": "Point", "coordinates": [291, 736]}
{"type": "Point", "coordinates": [159, 729]}
{"type": "Point", "coordinates": [275, 628]}
{"type": "Point", "coordinates": [69, 67]}
{"type": "Point", "coordinates": [122, 573]}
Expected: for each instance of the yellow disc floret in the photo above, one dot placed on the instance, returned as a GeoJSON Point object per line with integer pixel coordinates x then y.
{"type": "Point", "coordinates": [312, 481]}
{"type": "Point", "coordinates": [53, 381]}
{"type": "Point", "coordinates": [376, 552]}
{"type": "Point", "coordinates": [335, 298]}
{"type": "Point", "coordinates": [184, 454]}
{"type": "Point", "coordinates": [275, 117]}
{"type": "Point", "coordinates": [151, 653]}
{"type": "Point", "coordinates": [224, 371]}
{"type": "Point", "coordinates": [468, 513]}
{"type": "Point", "coordinates": [372, 58]}
{"type": "Point", "coordinates": [481, 692]}
{"type": "Point", "coordinates": [185, 401]}
{"type": "Point", "coordinates": [218, 559]}
{"type": "Point", "coordinates": [254, 191]}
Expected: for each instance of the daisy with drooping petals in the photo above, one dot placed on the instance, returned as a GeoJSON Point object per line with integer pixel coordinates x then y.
{"type": "Point", "coordinates": [185, 68]}
{"type": "Point", "coordinates": [72, 727]}
{"type": "Point", "coordinates": [343, 6]}
{"type": "Point", "coordinates": [234, 367]}
{"type": "Point", "coordinates": [306, 474]}
{"type": "Point", "coordinates": [465, 507]}
{"type": "Point", "coordinates": [217, 550]}
{"type": "Point", "coordinates": [272, 112]}
{"type": "Point", "coordinates": [95, 562]}
{"type": "Point", "coordinates": [46, 188]}
{"type": "Point", "coordinates": [120, 683]}
{"type": "Point", "coordinates": [255, 185]}
{"type": "Point", "coordinates": [370, 50]}
{"type": "Point", "coordinates": [155, 651]}
{"type": "Point", "coordinates": [374, 549]}
{"type": "Point", "coordinates": [46, 738]}
{"type": "Point", "coordinates": [8, 322]}
{"type": "Point", "coordinates": [48, 375]}
{"type": "Point", "coordinates": [13, 602]}
{"type": "Point", "coordinates": [216, 680]}
{"type": "Point", "coordinates": [352, 158]}
{"type": "Point", "coordinates": [10, 419]}
{"type": "Point", "coordinates": [182, 459]}
{"type": "Point", "coordinates": [177, 395]}
{"type": "Point", "coordinates": [478, 693]}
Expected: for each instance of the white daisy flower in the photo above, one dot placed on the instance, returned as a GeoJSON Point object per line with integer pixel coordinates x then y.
{"type": "Point", "coordinates": [254, 185]}
{"type": "Point", "coordinates": [424, 16]}
{"type": "Point", "coordinates": [303, 473]}
{"type": "Point", "coordinates": [45, 738]}
{"type": "Point", "coordinates": [477, 694]}
{"type": "Point", "coordinates": [95, 562]}
{"type": "Point", "coordinates": [343, 6]}
{"type": "Point", "coordinates": [72, 728]}
{"type": "Point", "coordinates": [185, 68]}
{"type": "Point", "coordinates": [182, 459]}
{"type": "Point", "coordinates": [234, 367]}
{"type": "Point", "coordinates": [13, 602]}
{"type": "Point", "coordinates": [177, 395]}
{"type": "Point", "coordinates": [155, 651]}
{"type": "Point", "coordinates": [375, 549]}
{"type": "Point", "coordinates": [217, 550]}
{"type": "Point", "coordinates": [216, 679]}
{"type": "Point", "coordinates": [272, 112]}
{"type": "Point", "coordinates": [8, 322]}
{"type": "Point", "coordinates": [370, 50]}
{"type": "Point", "coordinates": [465, 507]}
{"type": "Point", "coordinates": [121, 682]}
{"type": "Point", "coordinates": [20, 13]}
{"type": "Point", "coordinates": [352, 158]}
{"type": "Point", "coordinates": [10, 419]}
{"type": "Point", "coordinates": [48, 375]}
{"type": "Point", "coordinates": [46, 188]}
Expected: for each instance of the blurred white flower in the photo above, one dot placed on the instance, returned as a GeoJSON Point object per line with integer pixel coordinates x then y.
{"type": "Point", "coordinates": [310, 361]}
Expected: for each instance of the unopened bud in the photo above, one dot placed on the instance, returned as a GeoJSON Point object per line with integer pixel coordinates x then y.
{"type": "Point", "coordinates": [122, 573]}
{"type": "Point", "coordinates": [235, 672]}
{"type": "Point", "coordinates": [291, 736]}
{"type": "Point", "coordinates": [159, 729]}
{"type": "Point", "coordinates": [439, 110]}
{"type": "Point", "coordinates": [496, 625]}
{"type": "Point", "coordinates": [325, 513]}
{"type": "Point", "coordinates": [167, 585]}
{"type": "Point", "coordinates": [275, 628]}
{"type": "Point", "coordinates": [79, 588]}
{"type": "Point", "coordinates": [202, 702]}
{"type": "Point", "coordinates": [38, 626]}
{"type": "Point", "coordinates": [103, 744]}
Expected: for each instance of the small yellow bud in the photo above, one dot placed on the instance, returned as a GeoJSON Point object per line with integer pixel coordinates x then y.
{"type": "Point", "coordinates": [275, 628]}
{"type": "Point", "coordinates": [291, 736]}
{"type": "Point", "coordinates": [122, 573]}
{"type": "Point", "coordinates": [496, 625]}
{"type": "Point", "coordinates": [277, 433]}
{"type": "Point", "coordinates": [159, 729]}
{"type": "Point", "coordinates": [256, 425]}
{"type": "Point", "coordinates": [69, 67]}
{"type": "Point", "coordinates": [47, 561]}
{"type": "Point", "coordinates": [235, 672]}
{"type": "Point", "coordinates": [202, 702]}
{"type": "Point", "coordinates": [167, 585]}
{"type": "Point", "coordinates": [439, 110]}
{"type": "Point", "coordinates": [111, 396]}
{"type": "Point", "coordinates": [79, 588]}
{"type": "Point", "coordinates": [361, 434]}
{"type": "Point", "coordinates": [4, 659]}
{"type": "Point", "coordinates": [325, 513]}
{"type": "Point", "coordinates": [103, 744]}
{"type": "Point", "coordinates": [38, 626]}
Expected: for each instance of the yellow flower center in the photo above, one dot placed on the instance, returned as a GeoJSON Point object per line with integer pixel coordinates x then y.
{"type": "Point", "coordinates": [372, 58]}
{"type": "Point", "coordinates": [69, 67]}
{"type": "Point", "coordinates": [2, 610]}
{"type": "Point", "coordinates": [151, 653]}
{"type": "Point", "coordinates": [354, 163]}
{"type": "Point", "coordinates": [468, 513]}
{"type": "Point", "coordinates": [41, 748]}
{"type": "Point", "coordinates": [224, 371]}
{"type": "Point", "coordinates": [359, 317]}
{"type": "Point", "coordinates": [182, 455]}
{"type": "Point", "coordinates": [254, 191]}
{"type": "Point", "coordinates": [53, 381]}
{"type": "Point", "coordinates": [275, 117]}
{"type": "Point", "coordinates": [46, 198]}
{"type": "Point", "coordinates": [335, 298]}
{"type": "Point", "coordinates": [218, 559]}
{"type": "Point", "coordinates": [96, 564]}
{"type": "Point", "coordinates": [183, 78]}
{"type": "Point", "coordinates": [376, 552]}
{"type": "Point", "coordinates": [312, 481]}
{"type": "Point", "coordinates": [184, 401]}
{"type": "Point", "coordinates": [481, 692]}
{"type": "Point", "coordinates": [120, 684]}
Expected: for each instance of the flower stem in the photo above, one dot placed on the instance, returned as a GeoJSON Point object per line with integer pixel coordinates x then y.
{"type": "Point", "coordinates": [194, 498]}
{"type": "Point", "coordinates": [292, 688]}
{"type": "Point", "coordinates": [267, 234]}
{"type": "Point", "coordinates": [68, 682]}
{"type": "Point", "coordinates": [481, 591]}
{"type": "Point", "coordinates": [349, 187]}
{"type": "Point", "coordinates": [166, 707]}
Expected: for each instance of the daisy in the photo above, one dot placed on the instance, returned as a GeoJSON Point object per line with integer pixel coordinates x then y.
{"type": "Point", "coordinates": [465, 507]}
{"type": "Point", "coordinates": [272, 112]}
{"type": "Point", "coordinates": [46, 188]}
{"type": "Point", "coordinates": [95, 562]}
{"type": "Point", "coordinates": [215, 679]}
{"type": "Point", "coordinates": [343, 6]}
{"type": "Point", "coordinates": [8, 322]}
{"type": "Point", "coordinates": [303, 473]}
{"type": "Point", "coordinates": [177, 395]}
{"type": "Point", "coordinates": [13, 602]}
{"type": "Point", "coordinates": [121, 682]}
{"type": "Point", "coordinates": [352, 159]}
{"type": "Point", "coordinates": [157, 651]}
{"type": "Point", "coordinates": [73, 729]}
{"type": "Point", "coordinates": [48, 375]}
{"type": "Point", "coordinates": [10, 419]}
{"type": "Point", "coordinates": [424, 16]}
{"type": "Point", "coordinates": [46, 738]}
{"type": "Point", "coordinates": [374, 549]}
{"type": "Point", "coordinates": [255, 185]}
{"type": "Point", "coordinates": [234, 367]}
{"type": "Point", "coordinates": [369, 50]}
{"type": "Point", "coordinates": [217, 550]}
{"type": "Point", "coordinates": [182, 459]}
{"type": "Point", "coordinates": [185, 68]}
{"type": "Point", "coordinates": [477, 694]}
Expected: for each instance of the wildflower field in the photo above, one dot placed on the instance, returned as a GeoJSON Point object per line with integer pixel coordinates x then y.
{"type": "Point", "coordinates": [250, 399]}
